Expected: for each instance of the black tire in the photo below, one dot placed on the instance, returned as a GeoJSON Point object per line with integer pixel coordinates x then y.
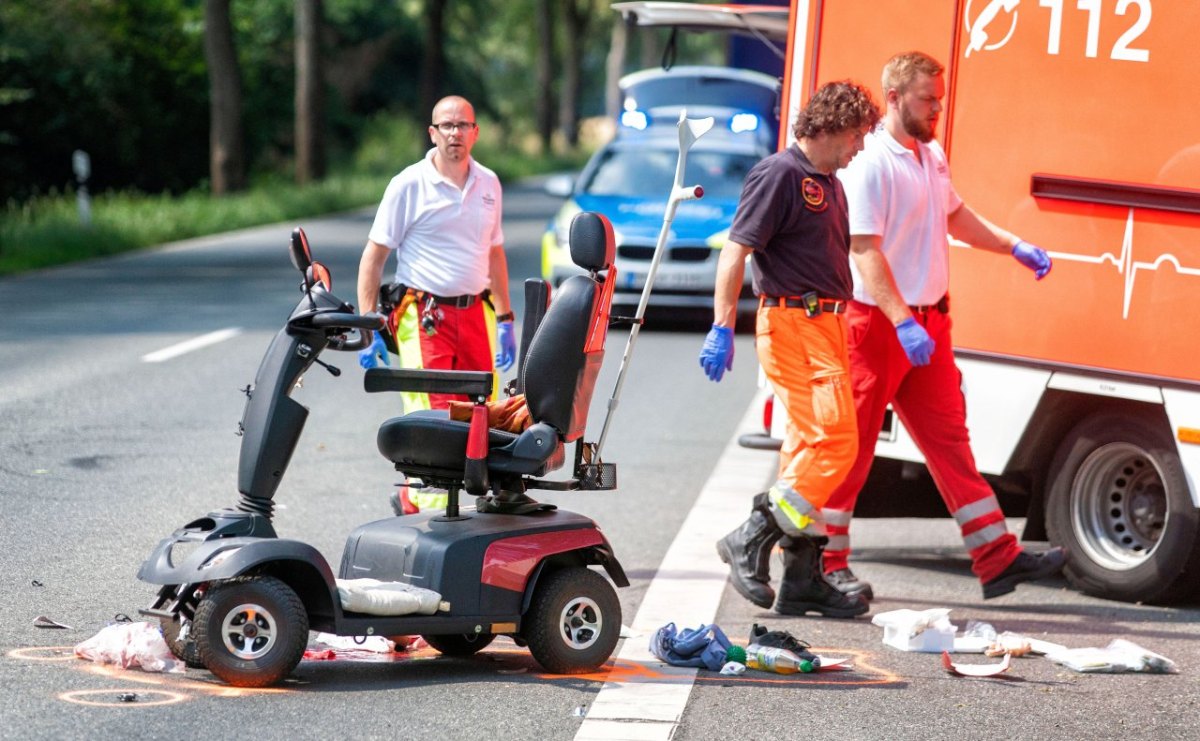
{"type": "Point", "coordinates": [573, 622]}
{"type": "Point", "coordinates": [251, 631]}
{"type": "Point", "coordinates": [1118, 501]}
{"type": "Point", "coordinates": [460, 644]}
{"type": "Point", "coordinates": [177, 634]}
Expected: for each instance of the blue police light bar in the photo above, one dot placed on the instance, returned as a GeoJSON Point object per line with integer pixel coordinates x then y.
{"type": "Point", "coordinates": [635, 120]}
{"type": "Point", "coordinates": [743, 122]}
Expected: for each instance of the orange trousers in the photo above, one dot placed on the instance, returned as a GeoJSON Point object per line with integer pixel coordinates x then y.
{"type": "Point", "coordinates": [807, 362]}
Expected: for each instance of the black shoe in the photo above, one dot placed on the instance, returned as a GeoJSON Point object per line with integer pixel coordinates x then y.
{"type": "Point", "coordinates": [747, 550]}
{"type": "Point", "coordinates": [785, 640]}
{"type": "Point", "coordinates": [847, 583]}
{"type": "Point", "coordinates": [804, 588]}
{"type": "Point", "coordinates": [1026, 567]}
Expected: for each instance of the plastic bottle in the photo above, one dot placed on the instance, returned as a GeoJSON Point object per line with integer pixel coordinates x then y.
{"type": "Point", "coordinates": [778, 660]}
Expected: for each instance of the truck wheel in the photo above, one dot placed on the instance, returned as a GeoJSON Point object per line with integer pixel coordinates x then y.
{"type": "Point", "coordinates": [460, 644]}
{"type": "Point", "coordinates": [573, 622]}
{"type": "Point", "coordinates": [251, 631]}
{"type": "Point", "coordinates": [1118, 500]}
{"type": "Point", "coordinates": [177, 634]}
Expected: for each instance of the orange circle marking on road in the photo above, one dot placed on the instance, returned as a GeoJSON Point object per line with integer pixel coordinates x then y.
{"type": "Point", "coordinates": [53, 653]}
{"type": "Point", "coordinates": [84, 697]}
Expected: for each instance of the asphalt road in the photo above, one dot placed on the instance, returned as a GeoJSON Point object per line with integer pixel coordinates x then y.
{"type": "Point", "coordinates": [102, 454]}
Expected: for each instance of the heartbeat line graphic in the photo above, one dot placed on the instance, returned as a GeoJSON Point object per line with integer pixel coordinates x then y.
{"type": "Point", "coordinates": [1125, 264]}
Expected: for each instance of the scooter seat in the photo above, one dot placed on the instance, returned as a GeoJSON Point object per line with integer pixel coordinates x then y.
{"type": "Point", "coordinates": [429, 439]}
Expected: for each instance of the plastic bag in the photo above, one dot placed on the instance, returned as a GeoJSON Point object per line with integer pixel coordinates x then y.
{"type": "Point", "coordinates": [129, 645]}
{"type": "Point", "coordinates": [1119, 656]}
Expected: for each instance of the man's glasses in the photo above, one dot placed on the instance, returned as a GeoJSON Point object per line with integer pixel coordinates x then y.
{"type": "Point", "coordinates": [449, 127]}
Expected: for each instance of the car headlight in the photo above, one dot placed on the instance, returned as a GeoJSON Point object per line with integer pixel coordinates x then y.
{"type": "Point", "coordinates": [718, 240]}
{"type": "Point", "coordinates": [562, 223]}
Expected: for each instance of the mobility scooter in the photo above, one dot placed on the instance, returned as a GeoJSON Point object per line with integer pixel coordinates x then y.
{"type": "Point", "coordinates": [239, 600]}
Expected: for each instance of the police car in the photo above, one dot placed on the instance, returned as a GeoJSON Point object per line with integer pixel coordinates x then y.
{"type": "Point", "coordinates": [630, 178]}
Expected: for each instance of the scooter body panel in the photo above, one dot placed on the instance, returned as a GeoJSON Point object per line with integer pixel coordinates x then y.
{"type": "Point", "coordinates": [481, 565]}
{"type": "Point", "coordinates": [188, 561]}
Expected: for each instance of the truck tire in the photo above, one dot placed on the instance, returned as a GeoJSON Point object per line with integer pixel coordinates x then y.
{"type": "Point", "coordinates": [1118, 501]}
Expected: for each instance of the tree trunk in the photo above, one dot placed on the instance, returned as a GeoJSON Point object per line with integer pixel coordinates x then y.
{"type": "Point", "coordinates": [544, 107]}
{"type": "Point", "coordinates": [576, 14]}
{"type": "Point", "coordinates": [227, 166]}
{"type": "Point", "coordinates": [434, 58]}
{"type": "Point", "coordinates": [310, 93]}
{"type": "Point", "coordinates": [614, 67]}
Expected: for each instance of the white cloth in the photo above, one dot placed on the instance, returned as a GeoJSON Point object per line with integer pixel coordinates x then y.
{"type": "Point", "coordinates": [442, 235]}
{"type": "Point", "coordinates": [374, 597]}
{"type": "Point", "coordinates": [891, 194]}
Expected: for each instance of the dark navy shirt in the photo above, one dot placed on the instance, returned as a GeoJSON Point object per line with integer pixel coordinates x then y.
{"type": "Point", "coordinates": [795, 220]}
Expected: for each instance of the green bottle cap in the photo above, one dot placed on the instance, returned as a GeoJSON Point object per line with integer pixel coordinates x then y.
{"type": "Point", "coordinates": [806, 666]}
{"type": "Point", "coordinates": [736, 653]}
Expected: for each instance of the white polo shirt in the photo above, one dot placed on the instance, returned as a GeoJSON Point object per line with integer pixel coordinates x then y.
{"type": "Point", "coordinates": [442, 235]}
{"type": "Point", "coordinates": [906, 202]}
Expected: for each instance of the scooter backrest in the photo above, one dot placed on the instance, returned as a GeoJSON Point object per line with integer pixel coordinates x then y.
{"type": "Point", "coordinates": [568, 348]}
{"type": "Point", "coordinates": [593, 246]}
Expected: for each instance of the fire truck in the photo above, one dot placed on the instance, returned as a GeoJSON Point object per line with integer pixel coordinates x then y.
{"type": "Point", "coordinates": [1068, 123]}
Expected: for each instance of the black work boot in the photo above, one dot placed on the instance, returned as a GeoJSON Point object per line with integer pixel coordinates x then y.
{"type": "Point", "coordinates": [747, 550]}
{"type": "Point", "coordinates": [847, 583]}
{"type": "Point", "coordinates": [804, 588]}
{"type": "Point", "coordinates": [1026, 567]}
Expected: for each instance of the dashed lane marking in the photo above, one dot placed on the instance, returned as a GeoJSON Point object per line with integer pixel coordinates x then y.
{"type": "Point", "coordinates": [196, 343]}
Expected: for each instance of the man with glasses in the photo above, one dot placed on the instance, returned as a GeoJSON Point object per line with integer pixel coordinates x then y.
{"type": "Point", "coordinates": [441, 218]}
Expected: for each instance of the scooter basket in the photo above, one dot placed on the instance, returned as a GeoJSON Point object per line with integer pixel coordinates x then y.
{"type": "Point", "coordinates": [598, 476]}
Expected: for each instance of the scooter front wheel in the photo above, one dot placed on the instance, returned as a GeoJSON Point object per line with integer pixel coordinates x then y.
{"type": "Point", "coordinates": [573, 622]}
{"type": "Point", "coordinates": [177, 633]}
{"type": "Point", "coordinates": [251, 631]}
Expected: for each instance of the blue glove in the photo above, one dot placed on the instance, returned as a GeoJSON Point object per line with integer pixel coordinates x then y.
{"type": "Point", "coordinates": [508, 345]}
{"type": "Point", "coordinates": [370, 357]}
{"type": "Point", "coordinates": [1034, 258]}
{"type": "Point", "coordinates": [716, 356]}
{"type": "Point", "coordinates": [917, 343]}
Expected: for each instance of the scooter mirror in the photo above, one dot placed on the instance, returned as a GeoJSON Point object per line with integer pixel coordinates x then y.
{"type": "Point", "coordinates": [318, 273]}
{"type": "Point", "coordinates": [300, 253]}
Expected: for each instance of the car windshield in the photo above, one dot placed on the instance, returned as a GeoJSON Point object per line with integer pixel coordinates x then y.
{"type": "Point", "coordinates": [650, 173]}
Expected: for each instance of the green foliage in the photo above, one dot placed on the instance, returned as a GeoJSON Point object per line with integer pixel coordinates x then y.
{"type": "Point", "coordinates": [122, 81]}
{"type": "Point", "coordinates": [46, 231]}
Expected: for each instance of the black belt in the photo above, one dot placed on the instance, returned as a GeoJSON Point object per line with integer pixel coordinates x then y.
{"type": "Point", "coordinates": [942, 306]}
{"type": "Point", "coordinates": [827, 305]}
{"type": "Point", "coordinates": [465, 301]}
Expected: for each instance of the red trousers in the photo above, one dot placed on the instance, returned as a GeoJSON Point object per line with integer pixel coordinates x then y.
{"type": "Point", "coordinates": [928, 399]}
{"type": "Point", "coordinates": [461, 342]}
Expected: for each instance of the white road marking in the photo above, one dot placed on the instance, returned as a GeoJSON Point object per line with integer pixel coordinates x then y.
{"type": "Point", "coordinates": [195, 343]}
{"type": "Point", "coordinates": [686, 591]}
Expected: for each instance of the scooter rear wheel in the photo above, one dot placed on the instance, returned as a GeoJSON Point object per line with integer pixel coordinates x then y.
{"type": "Point", "coordinates": [251, 631]}
{"type": "Point", "coordinates": [573, 622]}
{"type": "Point", "coordinates": [460, 644]}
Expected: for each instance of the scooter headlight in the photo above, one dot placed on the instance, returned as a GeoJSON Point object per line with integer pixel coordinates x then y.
{"type": "Point", "coordinates": [219, 558]}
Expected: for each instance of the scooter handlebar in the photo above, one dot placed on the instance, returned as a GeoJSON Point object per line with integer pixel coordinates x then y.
{"type": "Point", "coordinates": [364, 323]}
{"type": "Point", "coordinates": [339, 319]}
